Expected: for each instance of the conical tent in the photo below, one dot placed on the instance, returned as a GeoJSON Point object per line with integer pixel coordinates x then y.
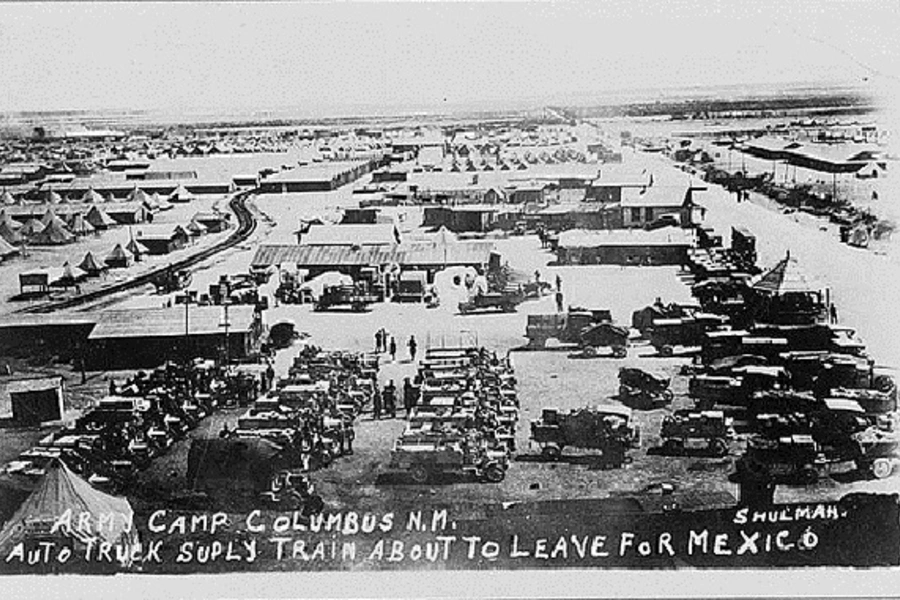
{"type": "Point", "coordinates": [92, 197]}
{"type": "Point", "coordinates": [137, 248]}
{"type": "Point", "coordinates": [181, 195]}
{"type": "Point", "coordinates": [98, 218]}
{"type": "Point", "coordinates": [109, 198]}
{"type": "Point", "coordinates": [10, 235]}
{"type": "Point", "coordinates": [118, 258]}
{"type": "Point", "coordinates": [80, 225]}
{"type": "Point", "coordinates": [61, 493]}
{"type": "Point", "coordinates": [54, 233]}
{"type": "Point", "coordinates": [785, 278]}
{"type": "Point", "coordinates": [7, 198]}
{"type": "Point", "coordinates": [137, 195]}
{"type": "Point", "coordinates": [70, 275]}
{"type": "Point", "coordinates": [49, 216]}
{"type": "Point", "coordinates": [161, 203]}
{"type": "Point", "coordinates": [53, 197]}
{"type": "Point", "coordinates": [7, 249]}
{"type": "Point", "coordinates": [31, 227]}
{"type": "Point", "coordinates": [196, 228]}
{"type": "Point", "coordinates": [91, 265]}
{"type": "Point", "coordinates": [10, 222]}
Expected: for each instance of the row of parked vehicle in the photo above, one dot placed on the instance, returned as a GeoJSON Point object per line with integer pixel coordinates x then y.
{"type": "Point", "coordinates": [465, 420]}
{"type": "Point", "coordinates": [313, 408]}
{"type": "Point", "coordinates": [139, 420]}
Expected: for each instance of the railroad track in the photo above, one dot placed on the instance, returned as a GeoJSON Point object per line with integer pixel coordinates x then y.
{"type": "Point", "coordinates": [246, 226]}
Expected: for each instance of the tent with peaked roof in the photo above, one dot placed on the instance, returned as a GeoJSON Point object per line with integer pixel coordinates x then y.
{"type": "Point", "coordinates": [137, 195]}
{"type": "Point", "coordinates": [80, 225]}
{"type": "Point", "coordinates": [195, 228]}
{"type": "Point", "coordinates": [10, 235]}
{"type": "Point", "coordinates": [54, 233]}
{"type": "Point", "coordinates": [49, 216]}
{"type": "Point", "coordinates": [160, 202]}
{"type": "Point", "coordinates": [31, 227]}
{"type": "Point", "coordinates": [98, 218]}
{"type": "Point", "coordinates": [53, 197]}
{"type": "Point", "coordinates": [7, 198]}
{"type": "Point", "coordinates": [786, 277]}
{"type": "Point", "coordinates": [118, 258]}
{"type": "Point", "coordinates": [42, 516]}
{"type": "Point", "coordinates": [181, 195]}
{"type": "Point", "coordinates": [785, 296]}
{"type": "Point", "coordinates": [90, 265]}
{"type": "Point", "coordinates": [70, 275]}
{"type": "Point", "coordinates": [9, 221]}
{"type": "Point", "coordinates": [92, 197]}
{"type": "Point", "coordinates": [137, 249]}
{"type": "Point", "coordinates": [7, 249]}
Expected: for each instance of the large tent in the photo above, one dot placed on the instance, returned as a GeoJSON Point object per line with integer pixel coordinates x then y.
{"type": "Point", "coordinates": [92, 197]}
{"type": "Point", "coordinates": [80, 225]}
{"type": "Point", "coordinates": [7, 249]}
{"type": "Point", "coordinates": [61, 492]}
{"type": "Point", "coordinates": [181, 194]}
{"type": "Point", "coordinates": [10, 235]}
{"type": "Point", "coordinates": [137, 249]}
{"type": "Point", "coordinates": [7, 198]}
{"type": "Point", "coordinates": [90, 265]}
{"type": "Point", "coordinates": [785, 278]}
{"type": "Point", "coordinates": [54, 233]}
{"type": "Point", "coordinates": [98, 218]}
{"type": "Point", "coordinates": [31, 227]}
{"type": "Point", "coordinates": [118, 258]}
{"type": "Point", "coordinates": [53, 197]}
{"type": "Point", "coordinates": [70, 275]}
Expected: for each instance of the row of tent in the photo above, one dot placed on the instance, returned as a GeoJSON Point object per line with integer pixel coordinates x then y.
{"type": "Point", "coordinates": [120, 257]}
{"type": "Point", "coordinates": [52, 229]}
{"type": "Point", "coordinates": [91, 196]}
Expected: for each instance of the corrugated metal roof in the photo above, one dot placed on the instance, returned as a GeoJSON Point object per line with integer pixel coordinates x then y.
{"type": "Point", "coordinates": [655, 196]}
{"type": "Point", "coordinates": [169, 322]}
{"type": "Point", "coordinates": [350, 235]}
{"type": "Point", "coordinates": [412, 253]}
{"type": "Point", "coordinates": [37, 384]}
{"type": "Point", "coordinates": [669, 236]}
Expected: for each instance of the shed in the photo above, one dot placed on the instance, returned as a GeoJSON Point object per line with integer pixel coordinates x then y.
{"type": "Point", "coordinates": [146, 337]}
{"type": "Point", "coordinates": [36, 401]}
{"type": "Point", "coordinates": [162, 238]}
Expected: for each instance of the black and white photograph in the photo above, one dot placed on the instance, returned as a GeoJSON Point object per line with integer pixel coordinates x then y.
{"type": "Point", "coordinates": [457, 299]}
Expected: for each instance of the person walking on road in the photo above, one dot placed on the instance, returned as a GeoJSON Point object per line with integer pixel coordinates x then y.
{"type": "Point", "coordinates": [379, 341]}
{"type": "Point", "coordinates": [558, 283]}
{"type": "Point", "coordinates": [376, 404]}
{"type": "Point", "coordinates": [832, 312]}
{"type": "Point", "coordinates": [390, 399]}
{"type": "Point", "coordinates": [393, 349]}
{"type": "Point", "coordinates": [409, 396]}
{"type": "Point", "coordinates": [559, 301]}
{"type": "Point", "coordinates": [413, 346]}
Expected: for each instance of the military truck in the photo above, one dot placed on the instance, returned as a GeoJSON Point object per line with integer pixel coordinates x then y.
{"type": "Point", "coordinates": [502, 301]}
{"type": "Point", "coordinates": [606, 428]}
{"type": "Point", "coordinates": [588, 329]}
{"type": "Point", "coordinates": [689, 430]}
{"type": "Point", "coordinates": [425, 458]}
{"type": "Point", "coordinates": [343, 295]}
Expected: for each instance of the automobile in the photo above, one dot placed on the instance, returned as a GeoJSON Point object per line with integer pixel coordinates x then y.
{"type": "Point", "coordinates": [607, 428]}
{"type": "Point", "coordinates": [689, 430]}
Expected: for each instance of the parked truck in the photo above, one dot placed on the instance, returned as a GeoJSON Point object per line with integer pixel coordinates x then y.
{"type": "Point", "coordinates": [607, 428]}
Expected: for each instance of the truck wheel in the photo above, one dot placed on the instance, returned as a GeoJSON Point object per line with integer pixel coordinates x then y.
{"type": "Point", "coordinates": [590, 351]}
{"type": "Point", "coordinates": [881, 468]}
{"type": "Point", "coordinates": [419, 474]}
{"type": "Point", "coordinates": [508, 308]}
{"type": "Point", "coordinates": [671, 446]}
{"type": "Point", "coordinates": [666, 350]}
{"type": "Point", "coordinates": [668, 396]}
{"type": "Point", "coordinates": [624, 391]}
{"type": "Point", "coordinates": [718, 447]}
{"type": "Point", "coordinates": [620, 352]}
{"type": "Point", "coordinates": [551, 451]}
{"type": "Point", "coordinates": [494, 473]}
{"type": "Point", "coordinates": [314, 505]}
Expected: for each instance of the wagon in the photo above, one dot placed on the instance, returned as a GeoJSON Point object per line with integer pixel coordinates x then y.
{"type": "Point", "coordinates": [643, 390]}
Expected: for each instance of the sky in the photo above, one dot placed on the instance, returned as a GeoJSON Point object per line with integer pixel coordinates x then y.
{"type": "Point", "coordinates": [334, 56]}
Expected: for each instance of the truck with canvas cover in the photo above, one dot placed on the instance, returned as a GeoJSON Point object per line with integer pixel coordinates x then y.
{"type": "Point", "coordinates": [351, 296]}
{"type": "Point", "coordinates": [643, 390]}
{"type": "Point", "coordinates": [667, 335]}
{"type": "Point", "coordinates": [412, 286]}
{"type": "Point", "coordinates": [566, 328]}
{"type": "Point", "coordinates": [425, 459]}
{"type": "Point", "coordinates": [689, 430]}
{"type": "Point", "coordinates": [505, 301]}
{"type": "Point", "coordinates": [607, 428]}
